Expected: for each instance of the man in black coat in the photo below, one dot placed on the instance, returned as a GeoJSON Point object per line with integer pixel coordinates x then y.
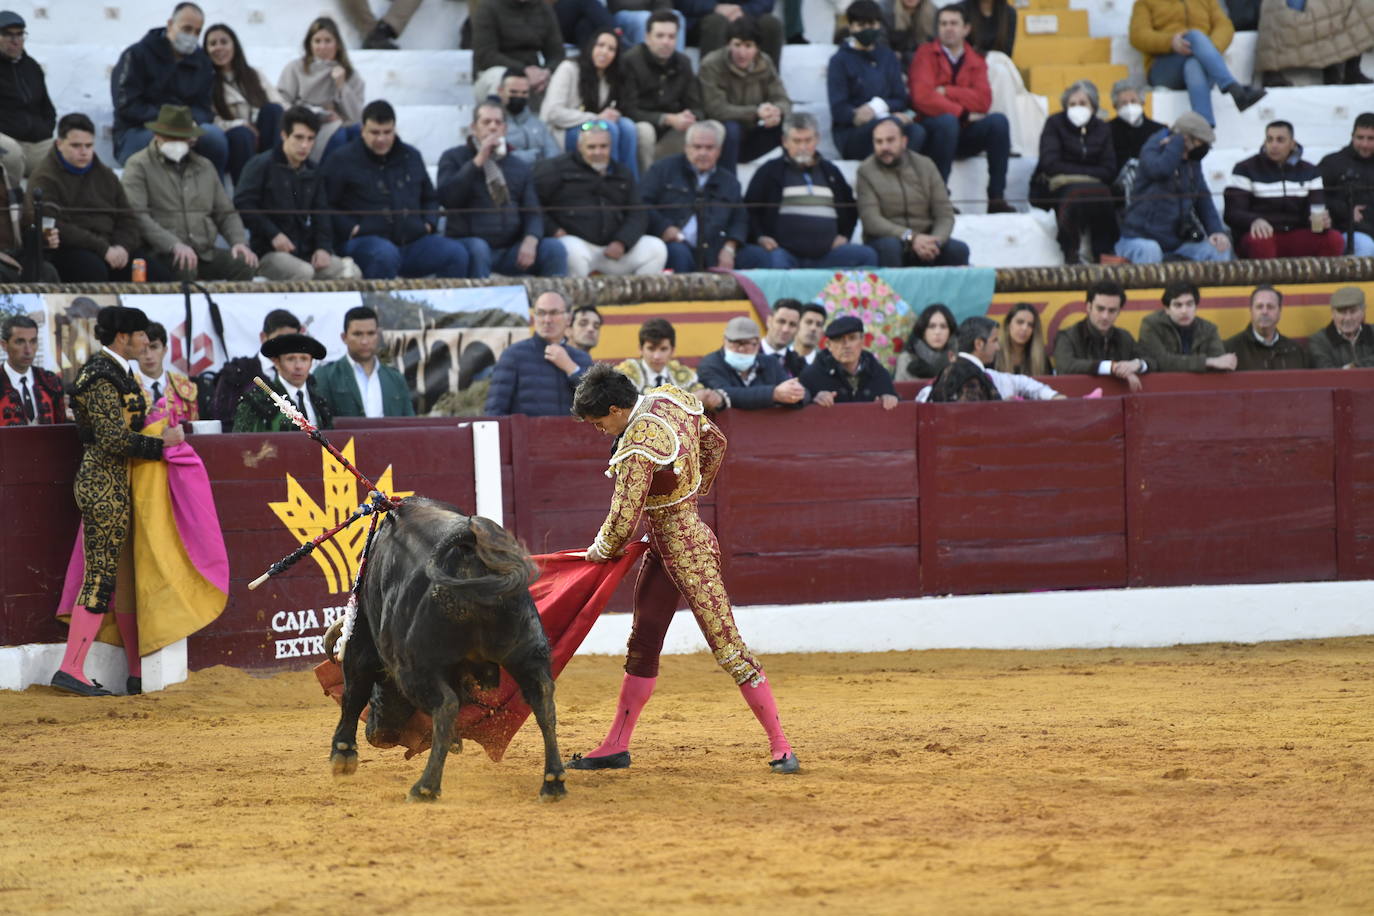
{"type": "Point", "coordinates": [662, 89]}
{"type": "Point", "coordinates": [592, 206]}
{"type": "Point", "coordinates": [27, 115]}
{"type": "Point", "coordinates": [844, 372]}
{"type": "Point", "coordinates": [166, 67]}
{"type": "Point", "coordinates": [282, 201]}
{"type": "Point", "coordinates": [698, 208]}
{"type": "Point", "coordinates": [494, 208]}
{"type": "Point", "coordinates": [1348, 179]}
{"type": "Point", "coordinates": [743, 376]}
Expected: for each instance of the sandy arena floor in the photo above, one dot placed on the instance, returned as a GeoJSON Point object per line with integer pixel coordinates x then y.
{"type": "Point", "coordinates": [1211, 779]}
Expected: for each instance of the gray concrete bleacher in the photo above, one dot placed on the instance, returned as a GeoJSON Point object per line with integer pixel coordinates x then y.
{"type": "Point", "coordinates": [430, 83]}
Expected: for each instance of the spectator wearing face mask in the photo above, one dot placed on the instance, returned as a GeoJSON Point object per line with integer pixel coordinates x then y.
{"type": "Point", "coordinates": [167, 67]}
{"type": "Point", "coordinates": [1171, 210]}
{"type": "Point", "coordinates": [1130, 127]}
{"type": "Point", "coordinates": [181, 204]}
{"type": "Point", "coordinates": [1078, 165]}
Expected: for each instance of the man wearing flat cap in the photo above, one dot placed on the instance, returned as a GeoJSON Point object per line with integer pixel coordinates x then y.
{"type": "Point", "coordinates": [743, 376]}
{"type": "Point", "coordinates": [846, 373]}
{"type": "Point", "coordinates": [181, 204]}
{"type": "Point", "coordinates": [293, 356]}
{"type": "Point", "coordinates": [1347, 342]}
{"type": "Point", "coordinates": [110, 413]}
{"type": "Point", "coordinates": [1171, 213]}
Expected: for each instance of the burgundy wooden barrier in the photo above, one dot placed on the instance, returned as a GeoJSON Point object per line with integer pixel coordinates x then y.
{"type": "Point", "coordinates": [850, 502]}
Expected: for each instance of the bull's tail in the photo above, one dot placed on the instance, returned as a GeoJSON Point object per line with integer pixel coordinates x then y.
{"type": "Point", "coordinates": [508, 564]}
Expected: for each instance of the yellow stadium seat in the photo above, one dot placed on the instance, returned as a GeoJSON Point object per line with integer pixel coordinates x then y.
{"type": "Point", "coordinates": [1050, 81]}
{"type": "Point", "coordinates": [1035, 6]}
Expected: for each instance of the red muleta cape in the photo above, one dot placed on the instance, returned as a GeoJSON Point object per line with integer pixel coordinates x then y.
{"type": "Point", "coordinates": [570, 594]}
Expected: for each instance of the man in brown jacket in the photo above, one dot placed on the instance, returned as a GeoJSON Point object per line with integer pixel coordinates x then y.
{"type": "Point", "coordinates": [741, 88]}
{"type": "Point", "coordinates": [1347, 342]}
{"type": "Point", "coordinates": [1095, 345]}
{"type": "Point", "coordinates": [1260, 345]}
{"type": "Point", "coordinates": [905, 209]}
{"type": "Point", "coordinates": [98, 232]}
{"type": "Point", "coordinates": [1175, 339]}
{"type": "Point", "coordinates": [181, 203]}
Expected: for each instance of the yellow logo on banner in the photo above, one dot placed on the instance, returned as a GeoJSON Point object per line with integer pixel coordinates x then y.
{"type": "Point", "coordinates": [339, 556]}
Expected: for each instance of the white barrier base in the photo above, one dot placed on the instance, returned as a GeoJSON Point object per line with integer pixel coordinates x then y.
{"type": "Point", "coordinates": [1124, 618]}
{"type": "Point", "coordinates": [23, 666]}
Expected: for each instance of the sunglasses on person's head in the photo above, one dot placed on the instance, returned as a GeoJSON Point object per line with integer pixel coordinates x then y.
{"type": "Point", "coordinates": [596, 125]}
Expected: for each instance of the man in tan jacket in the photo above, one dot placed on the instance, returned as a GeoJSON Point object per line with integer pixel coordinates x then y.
{"type": "Point", "coordinates": [904, 207]}
{"type": "Point", "coordinates": [181, 204]}
{"type": "Point", "coordinates": [741, 88]}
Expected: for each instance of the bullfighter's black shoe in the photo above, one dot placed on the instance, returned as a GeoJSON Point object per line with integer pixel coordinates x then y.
{"type": "Point", "coordinates": [64, 681]}
{"type": "Point", "coordinates": [788, 764]}
{"type": "Point", "coordinates": [133, 686]}
{"type": "Point", "coordinates": [618, 761]}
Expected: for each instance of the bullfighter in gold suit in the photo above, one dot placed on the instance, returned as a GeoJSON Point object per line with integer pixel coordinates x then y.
{"type": "Point", "coordinates": [110, 411]}
{"type": "Point", "coordinates": [665, 456]}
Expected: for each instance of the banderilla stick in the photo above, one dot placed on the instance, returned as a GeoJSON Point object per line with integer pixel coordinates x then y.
{"type": "Point", "coordinates": [305, 549]}
{"type": "Point", "coordinates": [298, 418]}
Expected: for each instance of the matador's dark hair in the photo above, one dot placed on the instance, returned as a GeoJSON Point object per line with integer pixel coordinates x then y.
{"type": "Point", "coordinates": [601, 389]}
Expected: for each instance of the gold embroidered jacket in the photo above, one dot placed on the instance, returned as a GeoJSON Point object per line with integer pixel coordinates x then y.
{"type": "Point", "coordinates": [670, 452]}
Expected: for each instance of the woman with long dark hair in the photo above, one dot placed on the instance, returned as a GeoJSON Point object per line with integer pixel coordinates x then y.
{"type": "Point", "coordinates": [247, 107]}
{"type": "Point", "coordinates": [1023, 343]}
{"type": "Point", "coordinates": [324, 81]}
{"type": "Point", "coordinates": [932, 345]}
{"type": "Point", "coordinates": [588, 88]}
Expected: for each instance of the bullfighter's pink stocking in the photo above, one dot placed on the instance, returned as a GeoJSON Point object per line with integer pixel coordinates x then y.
{"type": "Point", "coordinates": [128, 633]}
{"type": "Point", "coordinates": [760, 700]}
{"type": "Point", "coordinates": [84, 626]}
{"type": "Point", "coordinates": [634, 693]}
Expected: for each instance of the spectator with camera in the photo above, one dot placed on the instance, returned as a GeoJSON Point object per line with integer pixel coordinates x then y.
{"type": "Point", "coordinates": [1348, 180]}
{"type": "Point", "coordinates": [1275, 204]}
{"type": "Point", "coordinates": [1171, 211]}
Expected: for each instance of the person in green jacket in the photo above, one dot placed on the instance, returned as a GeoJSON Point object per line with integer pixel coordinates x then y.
{"type": "Point", "coordinates": [292, 355]}
{"type": "Point", "coordinates": [1176, 340]}
{"type": "Point", "coordinates": [359, 384]}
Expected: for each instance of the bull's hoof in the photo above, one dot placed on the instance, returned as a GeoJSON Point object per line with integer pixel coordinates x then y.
{"type": "Point", "coordinates": [344, 760]}
{"type": "Point", "coordinates": [553, 788]}
{"type": "Point", "coordinates": [420, 793]}
{"type": "Point", "coordinates": [618, 761]}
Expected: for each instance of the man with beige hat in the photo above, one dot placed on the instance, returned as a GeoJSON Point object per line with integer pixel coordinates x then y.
{"type": "Point", "coordinates": [181, 203]}
{"type": "Point", "coordinates": [1171, 214]}
{"type": "Point", "coordinates": [743, 376]}
{"type": "Point", "coordinates": [1347, 342]}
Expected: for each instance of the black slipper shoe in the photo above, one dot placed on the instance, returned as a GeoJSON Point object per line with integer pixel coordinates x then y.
{"type": "Point", "coordinates": [133, 686]}
{"type": "Point", "coordinates": [64, 681]}
{"type": "Point", "coordinates": [618, 761]}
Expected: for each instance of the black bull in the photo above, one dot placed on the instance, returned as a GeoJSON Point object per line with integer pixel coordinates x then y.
{"type": "Point", "coordinates": [445, 604]}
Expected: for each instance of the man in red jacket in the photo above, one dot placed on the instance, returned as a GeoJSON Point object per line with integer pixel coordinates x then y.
{"type": "Point", "coordinates": [950, 92]}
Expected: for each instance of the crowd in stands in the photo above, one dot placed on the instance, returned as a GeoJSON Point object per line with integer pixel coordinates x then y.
{"type": "Point", "coordinates": [620, 157]}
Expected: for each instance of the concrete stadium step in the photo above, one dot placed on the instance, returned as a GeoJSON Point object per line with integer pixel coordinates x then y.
{"type": "Point", "coordinates": [1051, 81]}
{"type": "Point", "coordinates": [1065, 23]}
{"type": "Point", "coordinates": [1009, 239]}
{"type": "Point", "coordinates": [1322, 116]}
{"type": "Point", "coordinates": [259, 24]}
{"type": "Point", "coordinates": [1032, 50]}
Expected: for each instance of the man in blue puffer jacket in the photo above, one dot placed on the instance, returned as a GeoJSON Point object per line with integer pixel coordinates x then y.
{"type": "Point", "coordinates": [537, 377]}
{"type": "Point", "coordinates": [1171, 212]}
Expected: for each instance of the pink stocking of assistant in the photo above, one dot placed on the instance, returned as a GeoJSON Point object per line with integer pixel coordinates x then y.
{"type": "Point", "coordinates": [128, 634]}
{"type": "Point", "coordinates": [84, 626]}
{"type": "Point", "coordinates": [634, 693]}
{"type": "Point", "coordinates": [760, 700]}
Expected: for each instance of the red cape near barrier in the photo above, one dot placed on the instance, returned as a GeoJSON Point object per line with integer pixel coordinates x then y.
{"type": "Point", "coordinates": [570, 594]}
